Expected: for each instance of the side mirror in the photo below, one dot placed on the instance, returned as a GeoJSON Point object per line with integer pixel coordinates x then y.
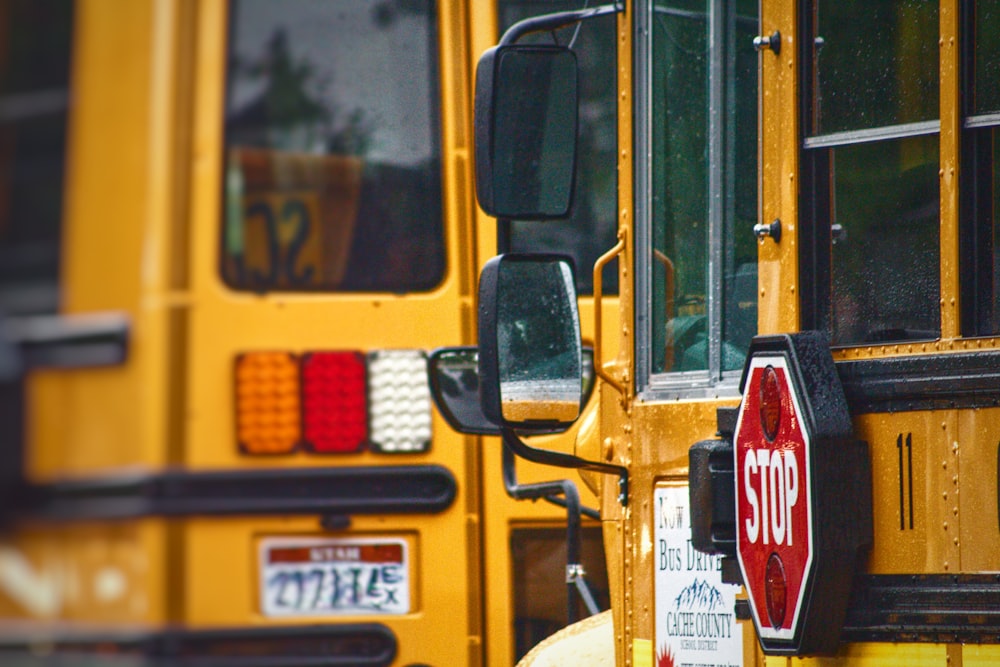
{"type": "Point", "coordinates": [525, 131]}
{"type": "Point", "coordinates": [454, 378]}
{"type": "Point", "coordinates": [530, 354]}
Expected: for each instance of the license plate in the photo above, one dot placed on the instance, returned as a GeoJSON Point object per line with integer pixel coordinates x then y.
{"type": "Point", "coordinates": [301, 577]}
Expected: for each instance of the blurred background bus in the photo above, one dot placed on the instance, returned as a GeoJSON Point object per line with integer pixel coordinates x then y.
{"type": "Point", "coordinates": [230, 233]}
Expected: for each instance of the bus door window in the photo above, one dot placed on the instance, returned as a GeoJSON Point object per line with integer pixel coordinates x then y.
{"type": "Point", "coordinates": [699, 189]}
{"type": "Point", "coordinates": [592, 225]}
{"type": "Point", "coordinates": [979, 255]}
{"type": "Point", "coordinates": [871, 171]}
{"type": "Point", "coordinates": [333, 147]}
{"type": "Point", "coordinates": [35, 40]}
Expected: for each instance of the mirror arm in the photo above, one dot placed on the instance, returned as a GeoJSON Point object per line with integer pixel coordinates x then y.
{"type": "Point", "coordinates": [548, 491]}
{"type": "Point", "coordinates": [503, 235]}
{"type": "Point", "coordinates": [554, 21]}
{"type": "Point", "coordinates": [563, 460]}
{"type": "Point", "coordinates": [576, 584]}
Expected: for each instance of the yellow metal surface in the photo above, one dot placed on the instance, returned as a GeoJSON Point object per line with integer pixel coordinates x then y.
{"type": "Point", "coordinates": [777, 268]}
{"type": "Point", "coordinates": [979, 656]}
{"type": "Point", "coordinates": [951, 130]}
{"type": "Point", "coordinates": [976, 450]}
{"type": "Point", "coordinates": [914, 482]}
{"type": "Point", "coordinates": [870, 655]}
{"type": "Point", "coordinates": [90, 573]}
{"type": "Point", "coordinates": [614, 428]}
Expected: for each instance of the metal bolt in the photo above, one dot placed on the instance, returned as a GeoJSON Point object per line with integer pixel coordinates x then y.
{"type": "Point", "coordinates": [770, 42]}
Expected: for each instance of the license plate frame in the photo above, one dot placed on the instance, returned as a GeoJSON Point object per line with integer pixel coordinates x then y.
{"type": "Point", "coordinates": [308, 577]}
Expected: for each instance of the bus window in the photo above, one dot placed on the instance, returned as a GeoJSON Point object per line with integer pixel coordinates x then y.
{"type": "Point", "coordinates": [34, 94]}
{"type": "Point", "coordinates": [333, 159]}
{"type": "Point", "coordinates": [592, 224]}
{"type": "Point", "coordinates": [980, 250]}
{"type": "Point", "coordinates": [701, 185]}
{"type": "Point", "coordinates": [871, 168]}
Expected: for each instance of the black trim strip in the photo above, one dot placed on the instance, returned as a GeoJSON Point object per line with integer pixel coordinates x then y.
{"type": "Point", "coordinates": [925, 382]}
{"type": "Point", "coordinates": [340, 645]}
{"type": "Point", "coordinates": [417, 489]}
{"type": "Point", "coordinates": [932, 608]}
{"type": "Point", "coordinates": [86, 340]}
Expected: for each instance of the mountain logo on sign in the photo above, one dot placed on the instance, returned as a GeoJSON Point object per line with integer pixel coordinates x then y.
{"type": "Point", "coordinates": [699, 595]}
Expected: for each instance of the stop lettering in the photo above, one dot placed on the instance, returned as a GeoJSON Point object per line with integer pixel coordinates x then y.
{"type": "Point", "coordinates": [771, 484]}
{"type": "Point", "coordinates": [773, 508]}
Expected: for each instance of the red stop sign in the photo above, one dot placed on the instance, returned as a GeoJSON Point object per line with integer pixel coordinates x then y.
{"type": "Point", "coordinates": [774, 539]}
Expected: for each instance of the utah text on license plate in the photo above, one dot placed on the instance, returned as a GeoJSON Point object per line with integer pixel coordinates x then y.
{"type": "Point", "coordinates": [303, 577]}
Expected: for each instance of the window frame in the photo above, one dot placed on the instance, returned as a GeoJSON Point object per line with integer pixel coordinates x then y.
{"type": "Point", "coordinates": [712, 381]}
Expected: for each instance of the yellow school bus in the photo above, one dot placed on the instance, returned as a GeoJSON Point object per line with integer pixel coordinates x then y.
{"type": "Point", "coordinates": [231, 234]}
{"type": "Point", "coordinates": [795, 443]}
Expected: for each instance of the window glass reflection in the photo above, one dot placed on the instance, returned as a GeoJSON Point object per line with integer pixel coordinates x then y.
{"type": "Point", "coordinates": [703, 185]}
{"type": "Point", "coordinates": [874, 64]}
{"type": "Point", "coordinates": [885, 212]}
{"type": "Point", "coordinates": [333, 159]}
{"type": "Point", "coordinates": [985, 93]}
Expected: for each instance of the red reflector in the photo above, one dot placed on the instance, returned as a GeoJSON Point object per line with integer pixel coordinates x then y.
{"type": "Point", "coordinates": [770, 403]}
{"type": "Point", "coordinates": [775, 590]}
{"type": "Point", "coordinates": [334, 402]}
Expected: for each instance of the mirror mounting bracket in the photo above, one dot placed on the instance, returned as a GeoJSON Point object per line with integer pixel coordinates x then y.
{"type": "Point", "coordinates": [556, 20]}
{"type": "Point", "coordinates": [563, 460]}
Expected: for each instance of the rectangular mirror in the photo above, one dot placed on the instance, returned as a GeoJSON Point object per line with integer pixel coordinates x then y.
{"type": "Point", "coordinates": [531, 360]}
{"type": "Point", "coordinates": [526, 125]}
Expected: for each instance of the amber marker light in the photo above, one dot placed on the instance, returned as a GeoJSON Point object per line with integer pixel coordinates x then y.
{"type": "Point", "coordinates": [267, 402]}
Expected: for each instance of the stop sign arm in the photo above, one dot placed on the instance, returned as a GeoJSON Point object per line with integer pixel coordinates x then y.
{"type": "Point", "coordinates": [796, 490]}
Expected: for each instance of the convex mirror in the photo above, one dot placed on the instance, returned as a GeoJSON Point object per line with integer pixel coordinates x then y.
{"type": "Point", "coordinates": [454, 378]}
{"type": "Point", "coordinates": [530, 354]}
{"type": "Point", "coordinates": [525, 131]}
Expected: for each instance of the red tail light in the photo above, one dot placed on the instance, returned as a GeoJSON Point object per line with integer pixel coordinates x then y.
{"type": "Point", "coordinates": [334, 402]}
